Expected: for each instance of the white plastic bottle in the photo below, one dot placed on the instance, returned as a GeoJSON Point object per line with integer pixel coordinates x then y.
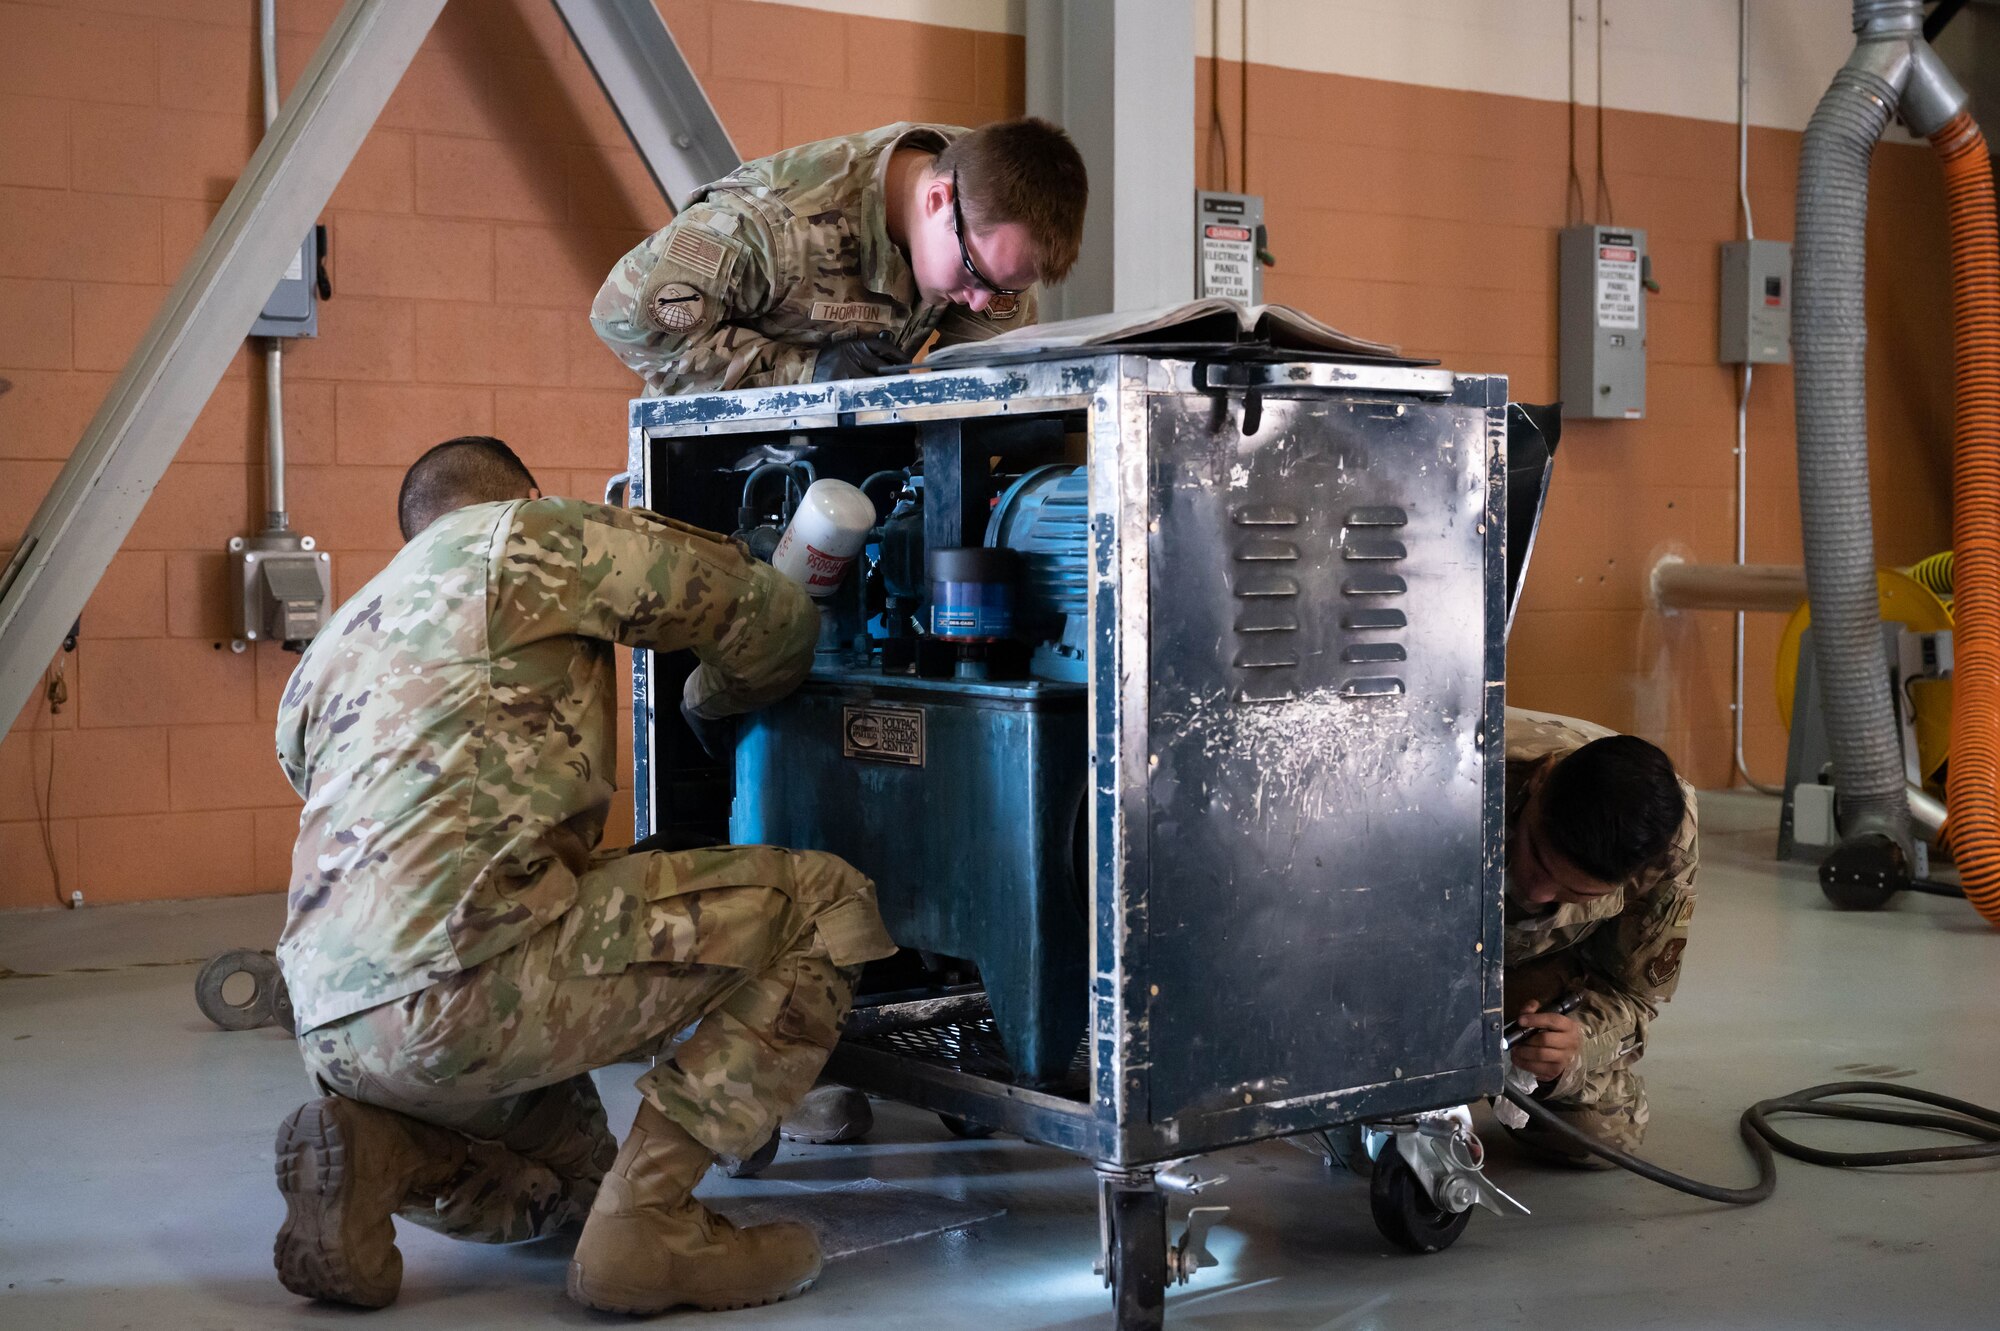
{"type": "Point", "coordinates": [824, 536]}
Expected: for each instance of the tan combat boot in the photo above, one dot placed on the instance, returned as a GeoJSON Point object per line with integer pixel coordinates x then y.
{"type": "Point", "coordinates": [649, 1246]}
{"type": "Point", "coordinates": [344, 1167]}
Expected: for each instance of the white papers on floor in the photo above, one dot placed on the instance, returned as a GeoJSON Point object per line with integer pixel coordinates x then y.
{"type": "Point", "coordinates": [855, 1217]}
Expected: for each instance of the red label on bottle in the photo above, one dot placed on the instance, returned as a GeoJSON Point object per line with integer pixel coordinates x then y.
{"type": "Point", "coordinates": [823, 569]}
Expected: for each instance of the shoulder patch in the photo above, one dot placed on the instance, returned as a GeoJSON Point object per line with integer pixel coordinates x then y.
{"type": "Point", "coordinates": [1686, 911]}
{"type": "Point", "coordinates": [677, 307]}
{"type": "Point", "coordinates": [695, 252]}
{"type": "Point", "coordinates": [1004, 307]}
{"type": "Point", "coordinates": [1667, 964]}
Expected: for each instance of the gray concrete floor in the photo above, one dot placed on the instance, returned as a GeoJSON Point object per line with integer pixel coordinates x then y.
{"type": "Point", "coordinates": [136, 1185]}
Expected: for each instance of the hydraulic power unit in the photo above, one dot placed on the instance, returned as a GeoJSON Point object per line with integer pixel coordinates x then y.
{"type": "Point", "coordinates": [1165, 710]}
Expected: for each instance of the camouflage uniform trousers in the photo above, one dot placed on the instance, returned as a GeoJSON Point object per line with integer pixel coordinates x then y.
{"type": "Point", "coordinates": [737, 946]}
{"type": "Point", "coordinates": [1608, 1102]}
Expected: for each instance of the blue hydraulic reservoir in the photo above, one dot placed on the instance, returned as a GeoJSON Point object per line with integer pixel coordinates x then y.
{"type": "Point", "coordinates": [965, 803]}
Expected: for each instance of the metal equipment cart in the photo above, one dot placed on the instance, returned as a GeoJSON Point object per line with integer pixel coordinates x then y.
{"type": "Point", "coordinates": [1207, 848]}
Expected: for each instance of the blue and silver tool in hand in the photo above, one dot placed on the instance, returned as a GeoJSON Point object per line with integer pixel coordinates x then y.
{"type": "Point", "coordinates": [1513, 1032]}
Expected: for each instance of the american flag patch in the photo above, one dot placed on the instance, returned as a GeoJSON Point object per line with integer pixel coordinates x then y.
{"type": "Point", "coordinates": [695, 252]}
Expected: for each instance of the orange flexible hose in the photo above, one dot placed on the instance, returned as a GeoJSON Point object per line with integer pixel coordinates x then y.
{"type": "Point", "coordinates": [1972, 785]}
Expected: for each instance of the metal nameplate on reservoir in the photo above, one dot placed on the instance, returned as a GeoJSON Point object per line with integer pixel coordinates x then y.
{"type": "Point", "coordinates": [883, 734]}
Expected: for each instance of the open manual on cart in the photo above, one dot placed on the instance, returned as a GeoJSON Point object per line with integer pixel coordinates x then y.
{"type": "Point", "coordinates": [1210, 321]}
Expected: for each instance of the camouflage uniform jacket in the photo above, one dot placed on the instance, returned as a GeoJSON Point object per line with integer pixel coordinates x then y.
{"type": "Point", "coordinates": [1625, 947]}
{"type": "Point", "coordinates": [451, 729]}
{"type": "Point", "coordinates": [772, 262]}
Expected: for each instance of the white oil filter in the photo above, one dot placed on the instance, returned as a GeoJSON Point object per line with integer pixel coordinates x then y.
{"type": "Point", "coordinates": [824, 536]}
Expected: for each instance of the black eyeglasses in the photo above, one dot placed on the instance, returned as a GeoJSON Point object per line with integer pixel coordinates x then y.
{"type": "Point", "coordinates": [965, 255]}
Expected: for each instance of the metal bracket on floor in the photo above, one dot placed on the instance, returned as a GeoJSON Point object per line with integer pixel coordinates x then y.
{"type": "Point", "coordinates": [268, 1002]}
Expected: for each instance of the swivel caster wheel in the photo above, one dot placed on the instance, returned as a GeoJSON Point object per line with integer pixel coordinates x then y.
{"type": "Point", "coordinates": [1863, 873]}
{"type": "Point", "coordinates": [1404, 1211]}
{"type": "Point", "coordinates": [1138, 1252]}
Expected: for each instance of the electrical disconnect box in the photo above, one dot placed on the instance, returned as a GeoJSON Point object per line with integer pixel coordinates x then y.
{"type": "Point", "coordinates": [1756, 305]}
{"type": "Point", "coordinates": [1603, 272]}
{"type": "Point", "coordinates": [293, 309]}
{"type": "Point", "coordinates": [1230, 252]}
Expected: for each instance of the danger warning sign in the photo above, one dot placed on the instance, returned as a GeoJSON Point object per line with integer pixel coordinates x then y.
{"type": "Point", "coordinates": [1617, 286]}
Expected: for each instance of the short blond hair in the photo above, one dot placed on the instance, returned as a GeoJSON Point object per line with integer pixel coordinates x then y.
{"type": "Point", "coordinates": [1024, 171]}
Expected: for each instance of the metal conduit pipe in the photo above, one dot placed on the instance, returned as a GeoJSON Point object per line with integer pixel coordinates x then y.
{"type": "Point", "coordinates": [1736, 710]}
{"type": "Point", "coordinates": [275, 517]}
{"type": "Point", "coordinates": [1830, 339]}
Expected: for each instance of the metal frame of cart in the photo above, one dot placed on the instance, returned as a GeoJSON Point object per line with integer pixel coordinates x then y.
{"type": "Point", "coordinates": [1350, 971]}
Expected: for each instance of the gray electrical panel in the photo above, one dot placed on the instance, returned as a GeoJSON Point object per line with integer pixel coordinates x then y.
{"type": "Point", "coordinates": [1228, 235]}
{"type": "Point", "coordinates": [293, 309]}
{"type": "Point", "coordinates": [1602, 272]}
{"type": "Point", "coordinates": [1756, 325]}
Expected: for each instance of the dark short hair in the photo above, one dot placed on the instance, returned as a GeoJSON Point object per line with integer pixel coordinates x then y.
{"type": "Point", "coordinates": [1612, 806]}
{"type": "Point", "coordinates": [1024, 171]}
{"type": "Point", "coordinates": [471, 469]}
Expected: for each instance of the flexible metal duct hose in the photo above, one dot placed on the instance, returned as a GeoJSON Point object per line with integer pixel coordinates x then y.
{"type": "Point", "coordinates": [1972, 785]}
{"type": "Point", "coordinates": [1830, 338]}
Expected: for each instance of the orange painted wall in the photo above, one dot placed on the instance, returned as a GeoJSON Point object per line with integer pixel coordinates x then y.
{"type": "Point", "coordinates": [1428, 217]}
{"type": "Point", "coordinates": [467, 240]}
{"type": "Point", "coordinates": [481, 213]}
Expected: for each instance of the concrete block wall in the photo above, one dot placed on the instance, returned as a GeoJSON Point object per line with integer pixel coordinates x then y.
{"type": "Point", "coordinates": [1414, 160]}
{"type": "Point", "coordinates": [467, 240]}
{"type": "Point", "coordinates": [1426, 215]}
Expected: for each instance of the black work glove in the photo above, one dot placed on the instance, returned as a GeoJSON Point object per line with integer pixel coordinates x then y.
{"type": "Point", "coordinates": [858, 357]}
{"type": "Point", "coordinates": [717, 737]}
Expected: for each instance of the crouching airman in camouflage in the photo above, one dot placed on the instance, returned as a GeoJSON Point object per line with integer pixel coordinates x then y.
{"type": "Point", "coordinates": [1601, 859]}
{"type": "Point", "coordinates": [460, 951]}
{"type": "Point", "coordinates": [841, 258]}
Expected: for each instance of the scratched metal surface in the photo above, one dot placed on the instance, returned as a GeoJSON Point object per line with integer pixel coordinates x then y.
{"type": "Point", "coordinates": [1318, 903]}
{"type": "Point", "coordinates": [1293, 830]}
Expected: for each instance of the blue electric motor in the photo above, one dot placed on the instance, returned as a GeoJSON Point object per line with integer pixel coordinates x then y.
{"type": "Point", "coordinates": [1045, 517]}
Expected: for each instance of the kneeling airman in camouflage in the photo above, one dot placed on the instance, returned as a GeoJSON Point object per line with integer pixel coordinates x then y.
{"type": "Point", "coordinates": [1601, 860]}
{"type": "Point", "coordinates": [460, 951]}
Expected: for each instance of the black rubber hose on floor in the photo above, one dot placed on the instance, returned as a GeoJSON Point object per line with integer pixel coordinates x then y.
{"type": "Point", "coordinates": [1767, 1168]}
{"type": "Point", "coordinates": [1965, 1119]}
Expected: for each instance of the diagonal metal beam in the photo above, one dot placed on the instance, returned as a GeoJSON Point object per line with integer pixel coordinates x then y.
{"type": "Point", "coordinates": [656, 95]}
{"type": "Point", "coordinates": [149, 410]}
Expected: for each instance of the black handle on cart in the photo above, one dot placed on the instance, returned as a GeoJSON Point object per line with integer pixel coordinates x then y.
{"type": "Point", "coordinates": [1253, 394]}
